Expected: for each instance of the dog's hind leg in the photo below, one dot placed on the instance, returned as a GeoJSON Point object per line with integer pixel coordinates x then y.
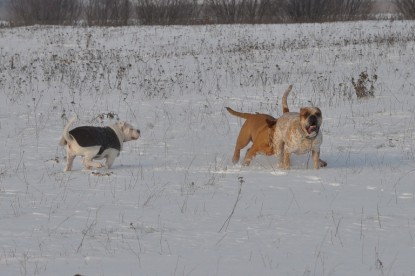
{"type": "Point", "coordinates": [287, 161]}
{"type": "Point", "coordinates": [69, 161]}
{"type": "Point", "coordinates": [279, 152]}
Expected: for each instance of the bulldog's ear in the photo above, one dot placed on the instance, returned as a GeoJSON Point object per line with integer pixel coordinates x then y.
{"type": "Point", "coordinates": [271, 123]}
{"type": "Point", "coordinates": [319, 113]}
{"type": "Point", "coordinates": [304, 112]}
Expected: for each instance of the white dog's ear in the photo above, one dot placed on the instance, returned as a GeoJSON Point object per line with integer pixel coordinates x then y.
{"type": "Point", "coordinates": [121, 124]}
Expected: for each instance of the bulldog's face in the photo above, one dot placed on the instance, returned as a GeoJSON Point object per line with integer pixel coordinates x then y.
{"type": "Point", "coordinates": [311, 119]}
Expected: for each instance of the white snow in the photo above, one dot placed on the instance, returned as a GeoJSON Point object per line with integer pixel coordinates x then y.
{"type": "Point", "coordinates": [173, 203]}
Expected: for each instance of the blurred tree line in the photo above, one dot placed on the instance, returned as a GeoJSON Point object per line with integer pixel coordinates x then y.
{"type": "Point", "coordinates": [187, 12]}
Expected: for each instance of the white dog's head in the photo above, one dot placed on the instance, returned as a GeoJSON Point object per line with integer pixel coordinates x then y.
{"type": "Point", "coordinates": [129, 132]}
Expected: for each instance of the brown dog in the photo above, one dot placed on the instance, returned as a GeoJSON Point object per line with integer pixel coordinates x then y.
{"type": "Point", "coordinates": [258, 128]}
{"type": "Point", "coordinates": [298, 133]}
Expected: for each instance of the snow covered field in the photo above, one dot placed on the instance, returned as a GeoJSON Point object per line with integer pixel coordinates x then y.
{"type": "Point", "coordinates": [173, 203]}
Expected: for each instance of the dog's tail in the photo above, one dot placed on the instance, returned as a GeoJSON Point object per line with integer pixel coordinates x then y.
{"type": "Point", "coordinates": [238, 114]}
{"type": "Point", "coordinates": [285, 108]}
{"type": "Point", "coordinates": [65, 135]}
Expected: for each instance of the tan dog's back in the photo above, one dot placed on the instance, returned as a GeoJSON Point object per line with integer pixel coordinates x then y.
{"type": "Point", "coordinates": [255, 124]}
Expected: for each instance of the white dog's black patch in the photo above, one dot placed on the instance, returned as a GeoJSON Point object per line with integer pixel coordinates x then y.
{"type": "Point", "coordinates": [90, 136]}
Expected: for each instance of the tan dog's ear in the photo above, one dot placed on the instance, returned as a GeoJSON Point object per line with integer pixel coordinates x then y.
{"type": "Point", "coordinates": [271, 123]}
{"type": "Point", "coordinates": [304, 112]}
{"type": "Point", "coordinates": [318, 113]}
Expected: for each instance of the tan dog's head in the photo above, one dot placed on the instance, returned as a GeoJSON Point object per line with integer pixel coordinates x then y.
{"type": "Point", "coordinates": [310, 120]}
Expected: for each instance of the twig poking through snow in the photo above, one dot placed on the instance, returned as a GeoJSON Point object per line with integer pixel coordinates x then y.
{"type": "Point", "coordinates": [228, 220]}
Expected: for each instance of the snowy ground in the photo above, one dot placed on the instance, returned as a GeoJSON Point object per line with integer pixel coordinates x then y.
{"type": "Point", "coordinates": [174, 204]}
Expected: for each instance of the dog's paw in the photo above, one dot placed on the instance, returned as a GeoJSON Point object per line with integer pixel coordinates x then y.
{"type": "Point", "coordinates": [246, 163]}
{"type": "Point", "coordinates": [96, 165]}
{"type": "Point", "coordinates": [322, 163]}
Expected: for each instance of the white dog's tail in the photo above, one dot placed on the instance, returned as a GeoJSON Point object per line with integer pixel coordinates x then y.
{"type": "Point", "coordinates": [285, 108]}
{"type": "Point", "coordinates": [65, 135]}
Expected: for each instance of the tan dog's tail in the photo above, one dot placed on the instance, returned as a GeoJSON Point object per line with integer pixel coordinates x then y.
{"type": "Point", "coordinates": [65, 135]}
{"type": "Point", "coordinates": [285, 108]}
{"type": "Point", "coordinates": [238, 114]}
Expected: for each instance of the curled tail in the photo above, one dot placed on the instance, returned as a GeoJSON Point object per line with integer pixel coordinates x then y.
{"type": "Point", "coordinates": [238, 114]}
{"type": "Point", "coordinates": [65, 135]}
{"type": "Point", "coordinates": [285, 108]}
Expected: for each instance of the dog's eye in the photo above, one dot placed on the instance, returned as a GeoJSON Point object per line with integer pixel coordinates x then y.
{"type": "Point", "coordinates": [318, 114]}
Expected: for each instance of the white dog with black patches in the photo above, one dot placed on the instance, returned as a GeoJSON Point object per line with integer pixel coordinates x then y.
{"type": "Point", "coordinates": [96, 143]}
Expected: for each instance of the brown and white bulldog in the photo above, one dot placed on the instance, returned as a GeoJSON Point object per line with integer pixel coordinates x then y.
{"type": "Point", "coordinates": [298, 133]}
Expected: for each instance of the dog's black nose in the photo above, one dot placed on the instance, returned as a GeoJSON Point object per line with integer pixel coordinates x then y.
{"type": "Point", "coordinates": [312, 120]}
{"type": "Point", "coordinates": [138, 131]}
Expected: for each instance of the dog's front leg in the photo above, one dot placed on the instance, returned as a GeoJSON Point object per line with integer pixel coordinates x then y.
{"type": "Point", "coordinates": [250, 154]}
{"type": "Point", "coordinates": [243, 140]}
{"type": "Point", "coordinates": [88, 163]}
{"type": "Point", "coordinates": [110, 160]}
{"type": "Point", "coordinates": [316, 159]}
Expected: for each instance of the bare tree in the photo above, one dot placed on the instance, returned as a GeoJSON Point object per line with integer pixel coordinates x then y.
{"type": "Point", "coordinates": [326, 10]}
{"type": "Point", "coordinates": [244, 11]}
{"type": "Point", "coordinates": [308, 10]}
{"type": "Point", "coordinates": [261, 11]}
{"type": "Point", "coordinates": [167, 12]}
{"type": "Point", "coordinates": [61, 12]}
{"type": "Point", "coordinates": [224, 11]}
{"type": "Point", "coordinates": [406, 8]}
{"type": "Point", "coordinates": [352, 9]}
{"type": "Point", "coordinates": [107, 12]}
